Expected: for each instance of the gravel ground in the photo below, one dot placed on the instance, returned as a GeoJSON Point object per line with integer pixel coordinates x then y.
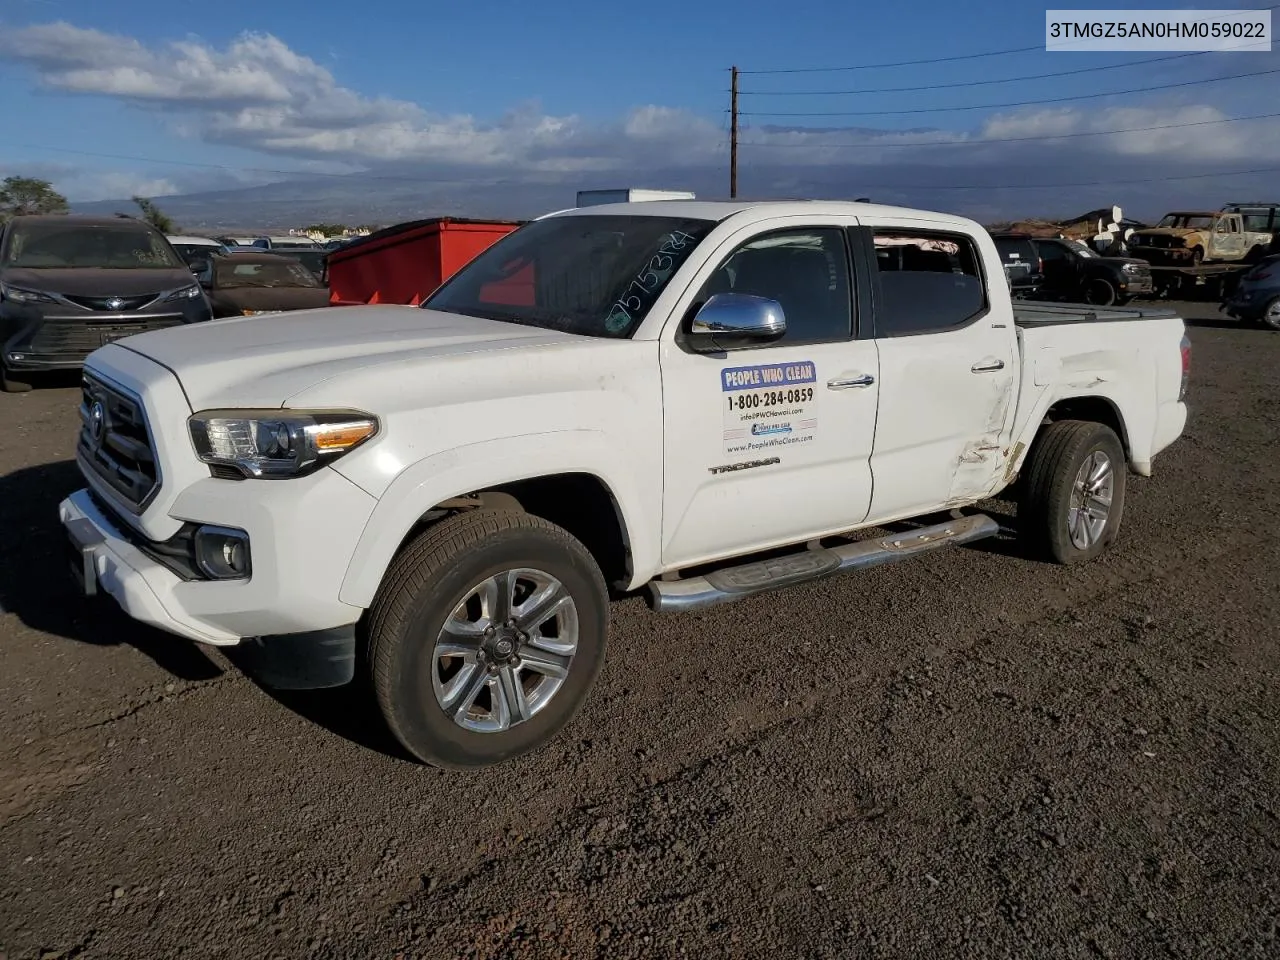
{"type": "Point", "coordinates": [968, 755]}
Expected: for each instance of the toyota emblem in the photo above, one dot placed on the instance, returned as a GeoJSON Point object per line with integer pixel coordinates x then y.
{"type": "Point", "coordinates": [115, 303]}
{"type": "Point", "coordinates": [97, 421]}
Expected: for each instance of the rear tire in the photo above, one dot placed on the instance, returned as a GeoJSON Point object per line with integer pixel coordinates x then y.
{"type": "Point", "coordinates": [488, 696]}
{"type": "Point", "coordinates": [1072, 502]}
{"type": "Point", "coordinates": [11, 382]}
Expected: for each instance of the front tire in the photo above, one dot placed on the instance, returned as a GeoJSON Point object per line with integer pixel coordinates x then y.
{"type": "Point", "coordinates": [12, 383]}
{"type": "Point", "coordinates": [1270, 317]}
{"type": "Point", "coordinates": [1073, 501]}
{"type": "Point", "coordinates": [486, 637]}
{"type": "Point", "coordinates": [1100, 293]}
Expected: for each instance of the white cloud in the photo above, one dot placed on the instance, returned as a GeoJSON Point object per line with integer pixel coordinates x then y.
{"type": "Point", "coordinates": [259, 94]}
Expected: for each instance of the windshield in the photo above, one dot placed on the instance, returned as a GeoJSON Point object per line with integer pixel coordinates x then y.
{"type": "Point", "coordinates": [1082, 248]}
{"type": "Point", "coordinates": [292, 274]}
{"type": "Point", "coordinates": [592, 275]}
{"type": "Point", "coordinates": [127, 246]}
{"type": "Point", "coordinates": [1185, 221]}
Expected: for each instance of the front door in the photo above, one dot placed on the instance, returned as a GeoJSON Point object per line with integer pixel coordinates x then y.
{"type": "Point", "coordinates": [770, 445]}
{"type": "Point", "coordinates": [947, 370]}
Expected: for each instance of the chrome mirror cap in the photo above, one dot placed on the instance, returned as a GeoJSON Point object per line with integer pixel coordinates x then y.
{"type": "Point", "coordinates": [731, 319]}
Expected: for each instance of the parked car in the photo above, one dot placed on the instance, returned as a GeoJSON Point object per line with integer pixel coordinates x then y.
{"type": "Point", "coordinates": [194, 249]}
{"type": "Point", "coordinates": [1022, 266]}
{"type": "Point", "coordinates": [667, 395]}
{"type": "Point", "coordinates": [285, 243]}
{"type": "Point", "coordinates": [69, 284]}
{"type": "Point", "coordinates": [1256, 298]}
{"type": "Point", "coordinates": [1073, 272]}
{"type": "Point", "coordinates": [247, 284]}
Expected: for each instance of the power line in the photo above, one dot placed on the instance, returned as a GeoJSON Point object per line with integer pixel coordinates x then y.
{"type": "Point", "coordinates": [817, 145]}
{"type": "Point", "coordinates": [1018, 103]}
{"type": "Point", "coordinates": [969, 83]}
{"type": "Point", "coordinates": [900, 63]}
{"type": "Point", "coordinates": [1055, 186]}
{"type": "Point", "coordinates": [157, 161]}
{"type": "Point", "coordinates": [932, 60]}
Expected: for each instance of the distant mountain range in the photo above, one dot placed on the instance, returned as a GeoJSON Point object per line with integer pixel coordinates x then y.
{"type": "Point", "coordinates": [359, 199]}
{"type": "Point", "coordinates": [396, 196]}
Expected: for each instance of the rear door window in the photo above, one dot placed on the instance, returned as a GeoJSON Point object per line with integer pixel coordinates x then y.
{"type": "Point", "coordinates": [929, 282]}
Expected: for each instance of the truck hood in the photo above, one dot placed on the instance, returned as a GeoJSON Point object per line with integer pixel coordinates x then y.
{"type": "Point", "coordinates": [263, 361]}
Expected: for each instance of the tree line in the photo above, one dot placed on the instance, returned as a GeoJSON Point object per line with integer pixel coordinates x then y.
{"type": "Point", "coordinates": [25, 196]}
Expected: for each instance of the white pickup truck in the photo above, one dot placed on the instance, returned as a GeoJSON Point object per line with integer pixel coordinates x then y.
{"type": "Point", "coordinates": [707, 399]}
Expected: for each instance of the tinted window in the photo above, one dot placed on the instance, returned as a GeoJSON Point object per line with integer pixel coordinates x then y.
{"type": "Point", "coordinates": [1051, 251]}
{"type": "Point", "coordinates": [595, 275]}
{"type": "Point", "coordinates": [807, 271]}
{"type": "Point", "coordinates": [928, 282]}
{"type": "Point", "coordinates": [1013, 249]}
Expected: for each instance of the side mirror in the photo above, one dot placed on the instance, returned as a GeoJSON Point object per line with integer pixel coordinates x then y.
{"type": "Point", "coordinates": [730, 320]}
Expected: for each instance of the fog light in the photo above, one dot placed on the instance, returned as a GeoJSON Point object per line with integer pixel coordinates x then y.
{"type": "Point", "coordinates": [222, 553]}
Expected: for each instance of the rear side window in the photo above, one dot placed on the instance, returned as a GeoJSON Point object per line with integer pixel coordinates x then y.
{"type": "Point", "coordinates": [929, 282]}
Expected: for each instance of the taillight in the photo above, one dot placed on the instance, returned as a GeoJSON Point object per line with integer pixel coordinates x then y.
{"type": "Point", "coordinates": [1259, 273]}
{"type": "Point", "coordinates": [1040, 266]}
{"type": "Point", "coordinates": [1186, 367]}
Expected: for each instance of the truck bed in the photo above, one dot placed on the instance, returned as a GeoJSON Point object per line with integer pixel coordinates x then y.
{"type": "Point", "coordinates": [1051, 314]}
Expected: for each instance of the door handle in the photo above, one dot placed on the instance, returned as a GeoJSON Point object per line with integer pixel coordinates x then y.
{"type": "Point", "coordinates": [988, 366]}
{"type": "Point", "coordinates": [865, 380]}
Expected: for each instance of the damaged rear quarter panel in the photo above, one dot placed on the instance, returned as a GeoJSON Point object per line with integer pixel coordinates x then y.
{"type": "Point", "coordinates": [1064, 362]}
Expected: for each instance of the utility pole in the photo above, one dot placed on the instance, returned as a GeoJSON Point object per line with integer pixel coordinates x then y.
{"type": "Point", "coordinates": [733, 134]}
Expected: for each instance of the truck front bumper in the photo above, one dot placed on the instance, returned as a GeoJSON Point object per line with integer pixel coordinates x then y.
{"type": "Point", "coordinates": [300, 534]}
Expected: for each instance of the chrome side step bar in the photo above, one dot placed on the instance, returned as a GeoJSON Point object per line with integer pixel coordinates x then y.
{"type": "Point", "coordinates": [734, 583]}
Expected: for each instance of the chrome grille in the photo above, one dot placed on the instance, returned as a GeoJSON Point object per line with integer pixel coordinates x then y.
{"type": "Point", "coordinates": [113, 304]}
{"type": "Point", "coordinates": [115, 442]}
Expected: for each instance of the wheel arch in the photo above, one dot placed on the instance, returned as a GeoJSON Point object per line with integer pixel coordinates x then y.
{"type": "Point", "coordinates": [1096, 408]}
{"type": "Point", "coordinates": [586, 502]}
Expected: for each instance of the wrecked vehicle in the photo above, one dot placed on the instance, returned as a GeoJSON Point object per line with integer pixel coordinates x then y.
{"type": "Point", "coordinates": [1190, 238]}
{"type": "Point", "coordinates": [701, 400]}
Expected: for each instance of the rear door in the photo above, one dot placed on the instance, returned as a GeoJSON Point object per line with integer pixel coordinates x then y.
{"type": "Point", "coordinates": [947, 370]}
{"type": "Point", "coordinates": [771, 444]}
{"type": "Point", "coordinates": [1228, 239]}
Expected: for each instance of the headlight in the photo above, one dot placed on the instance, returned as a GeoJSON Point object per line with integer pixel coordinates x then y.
{"type": "Point", "coordinates": [18, 295]}
{"type": "Point", "coordinates": [186, 293]}
{"type": "Point", "coordinates": [276, 444]}
{"type": "Point", "coordinates": [1131, 268]}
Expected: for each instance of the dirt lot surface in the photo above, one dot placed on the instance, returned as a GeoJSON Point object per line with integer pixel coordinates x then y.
{"type": "Point", "coordinates": [969, 755]}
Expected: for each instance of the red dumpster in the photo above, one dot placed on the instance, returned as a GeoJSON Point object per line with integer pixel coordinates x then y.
{"type": "Point", "coordinates": [407, 262]}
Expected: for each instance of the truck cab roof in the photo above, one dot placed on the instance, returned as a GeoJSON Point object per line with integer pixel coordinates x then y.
{"type": "Point", "coordinates": [718, 210]}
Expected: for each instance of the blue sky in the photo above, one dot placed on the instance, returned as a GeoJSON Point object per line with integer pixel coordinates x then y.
{"type": "Point", "coordinates": [578, 90]}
